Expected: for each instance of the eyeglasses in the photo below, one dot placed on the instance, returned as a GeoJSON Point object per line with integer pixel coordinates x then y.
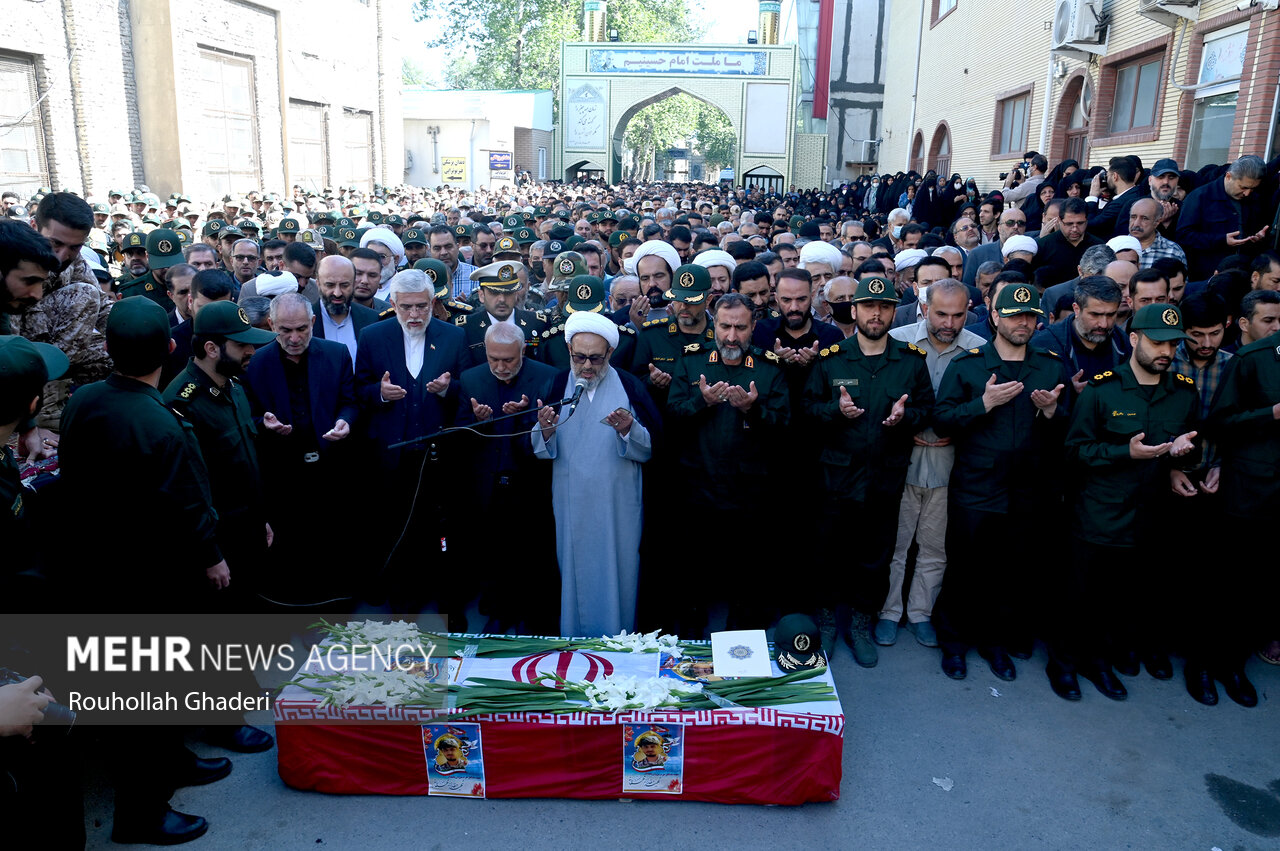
{"type": "Point", "coordinates": [596, 360]}
{"type": "Point", "coordinates": [964, 228]}
{"type": "Point", "coordinates": [414, 308]}
{"type": "Point", "coordinates": [244, 257]}
{"type": "Point", "coordinates": [1014, 223]}
{"type": "Point", "coordinates": [385, 257]}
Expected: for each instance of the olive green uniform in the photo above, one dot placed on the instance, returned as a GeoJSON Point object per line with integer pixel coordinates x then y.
{"type": "Point", "coordinates": [1246, 431]}
{"type": "Point", "coordinates": [225, 429]}
{"type": "Point", "coordinates": [118, 433]}
{"type": "Point", "coordinates": [863, 462]}
{"type": "Point", "coordinates": [1111, 606]}
{"type": "Point", "coordinates": [1004, 482]}
{"type": "Point", "coordinates": [555, 351]}
{"type": "Point", "coordinates": [148, 286]}
{"type": "Point", "coordinates": [726, 462]}
{"type": "Point", "coordinates": [661, 342]}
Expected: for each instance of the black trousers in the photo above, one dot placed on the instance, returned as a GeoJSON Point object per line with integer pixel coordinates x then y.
{"type": "Point", "coordinates": [1107, 604]}
{"type": "Point", "coordinates": [859, 538]}
{"type": "Point", "coordinates": [986, 598]}
{"type": "Point", "coordinates": [41, 801]}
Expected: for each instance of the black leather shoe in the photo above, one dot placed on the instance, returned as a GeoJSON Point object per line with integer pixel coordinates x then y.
{"type": "Point", "coordinates": [1001, 665]}
{"type": "Point", "coordinates": [1107, 682]}
{"type": "Point", "coordinates": [1064, 683]}
{"type": "Point", "coordinates": [1158, 665]}
{"type": "Point", "coordinates": [174, 828]}
{"type": "Point", "coordinates": [1022, 649]}
{"type": "Point", "coordinates": [1126, 663]}
{"type": "Point", "coordinates": [954, 666]}
{"type": "Point", "coordinates": [1201, 687]}
{"type": "Point", "coordinates": [242, 739]}
{"type": "Point", "coordinates": [1238, 688]}
{"type": "Point", "coordinates": [205, 771]}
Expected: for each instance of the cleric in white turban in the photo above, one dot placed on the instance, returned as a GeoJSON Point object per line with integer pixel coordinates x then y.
{"type": "Point", "coordinates": [596, 448]}
{"type": "Point", "coordinates": [654, 246]}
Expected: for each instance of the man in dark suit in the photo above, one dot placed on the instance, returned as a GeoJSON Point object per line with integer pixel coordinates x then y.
{"type": "Point", "coordinates": [499, 292]}
{"type": "Point", "coordinates": [505, 480]}
{"type": "Point", "coordinates": [302, 391]}
{"type": "Point", "coordinates": [337, 317]}
{"type": "Point", "coordinates": [405, 373]}
{"type": "Point", "coordinates": [1122, 179]}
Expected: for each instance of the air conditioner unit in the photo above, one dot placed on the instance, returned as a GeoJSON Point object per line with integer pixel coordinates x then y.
{"type": "Point", "coordinates": [1169, 12]}
{"type": "Point", "coordinates": [1079, 27]}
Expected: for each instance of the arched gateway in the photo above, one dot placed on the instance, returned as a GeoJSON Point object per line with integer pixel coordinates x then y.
{"type": "Point", "coordinates": [603, 84]}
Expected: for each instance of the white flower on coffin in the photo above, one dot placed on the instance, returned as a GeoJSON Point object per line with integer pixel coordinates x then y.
{"type": "Point", "coordinates": [635, 642]}
{"type": "Point", "coordinates": [614, 694]}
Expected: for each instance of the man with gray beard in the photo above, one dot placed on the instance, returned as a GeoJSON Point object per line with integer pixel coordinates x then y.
{"type": "Point", "coordinates": [596, 448]}
{"type": "Point", "coordinates": [1088, 343]}
{"type": "Point", "coordinates": [405, 373]}
{"type": "Point", "coordinates": [733, 400]}
{"type": "Point", "coordinates": [338, 318]}
{"type": "Point", "coordinates": [504, 480]}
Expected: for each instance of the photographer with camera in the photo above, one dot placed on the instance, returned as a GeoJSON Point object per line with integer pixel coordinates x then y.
{"type": "Point", "coordinates": [1035, 167]}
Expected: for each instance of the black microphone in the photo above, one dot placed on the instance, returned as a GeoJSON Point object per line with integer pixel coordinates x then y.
{"type": "Point", "coordinates": [579, 385]}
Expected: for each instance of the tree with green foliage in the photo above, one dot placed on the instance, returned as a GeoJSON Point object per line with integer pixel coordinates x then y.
{"type": "Point", "coordinates": [675, 122]}
{"type": "Point", "coordinates": [515, 44]}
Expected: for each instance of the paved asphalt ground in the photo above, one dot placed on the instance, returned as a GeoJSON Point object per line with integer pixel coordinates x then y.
{"type": "Point", "coordinates": [1025, 770]}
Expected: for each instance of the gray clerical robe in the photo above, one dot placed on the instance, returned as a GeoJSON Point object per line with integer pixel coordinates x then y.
{"type": "Point", "coordinates": [596, 496]}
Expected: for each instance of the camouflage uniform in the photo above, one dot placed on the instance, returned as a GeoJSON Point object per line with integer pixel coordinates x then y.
{"type": "Point", "coordinates": [72, 315]}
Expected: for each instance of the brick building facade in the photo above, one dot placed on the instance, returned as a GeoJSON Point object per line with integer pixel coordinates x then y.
{"type": "Point", "coordinates": [1192, 81]}
{"type": "Point", "coordinates": [207, 98]}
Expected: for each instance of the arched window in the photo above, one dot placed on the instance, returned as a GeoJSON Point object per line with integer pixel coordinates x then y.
{"type": "Point", "coordinates": [940, 150]}
{"type": "Point", "coordinates": [917, 154]}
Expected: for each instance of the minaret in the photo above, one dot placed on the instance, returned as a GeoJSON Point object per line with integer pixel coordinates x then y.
{"type": "Point", "coordinates": [770, 13]}
{"type": "Point", "coordinates": [594, 20]}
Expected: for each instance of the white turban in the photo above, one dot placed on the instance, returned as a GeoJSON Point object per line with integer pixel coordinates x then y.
{"type": "Point", "coordinates": [592, 323]}
{"type": "Point", "coordinates": [716, 257]}
{"type": "Point", "coordinates": [820, 252]}
{"type": "Point", "coordinates": [272, 284]}
{"type": "Point", "coordinates": [388, 238]}
{"type": "Point", "coordinates": [1124, 243]}
{"type": "Point", "coordinates": [654, 246]}
{"type": "Point", "coordinates": [910, 257]}
{"type": "Point", "coordinates": [1019, 242]}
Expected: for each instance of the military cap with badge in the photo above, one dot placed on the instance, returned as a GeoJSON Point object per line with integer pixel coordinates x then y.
{"type": "Point", "coordinates": [690, 284]}
{"type": "Point", "coordinates": [501, 276]}
{"type": "Point", "coordinates": [441, 285]}
{"type": "Point", "coordinates": [875, 288]}
{"type": "Point", "coordinates": [413, 236]}
{"type": "Point", "coordinates": [228, 319]}
{"type": "Point", "coordinates": [1014, 300]}
{"type": "Point", "coordinates": [506, 248]}
{"type": "Point", "coordinates": [1159, 322]}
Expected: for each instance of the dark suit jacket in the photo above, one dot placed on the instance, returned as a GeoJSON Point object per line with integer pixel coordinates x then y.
{"type": "Point", "coordinates": [512, 457]}
{"type": "Point", "coordinates": [381, 349]}
{"type": "Point", "coordinates": [1113, 219]}
{"type": "Point", "coordinates": [177, 360]}
{"type": "Point", "coordinates": [331, 380]}
{"type": "Point", "coordinates": [361, 317]}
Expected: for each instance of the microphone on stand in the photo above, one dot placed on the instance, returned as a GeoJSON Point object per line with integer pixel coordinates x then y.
{"type": "Point", "coordinates": [579, 386]}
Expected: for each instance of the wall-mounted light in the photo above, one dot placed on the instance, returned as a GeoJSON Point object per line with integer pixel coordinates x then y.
{"type": "Point", "coordinates": [613, 35]}
{"type": "Point", "coordinates": [751, 37]}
